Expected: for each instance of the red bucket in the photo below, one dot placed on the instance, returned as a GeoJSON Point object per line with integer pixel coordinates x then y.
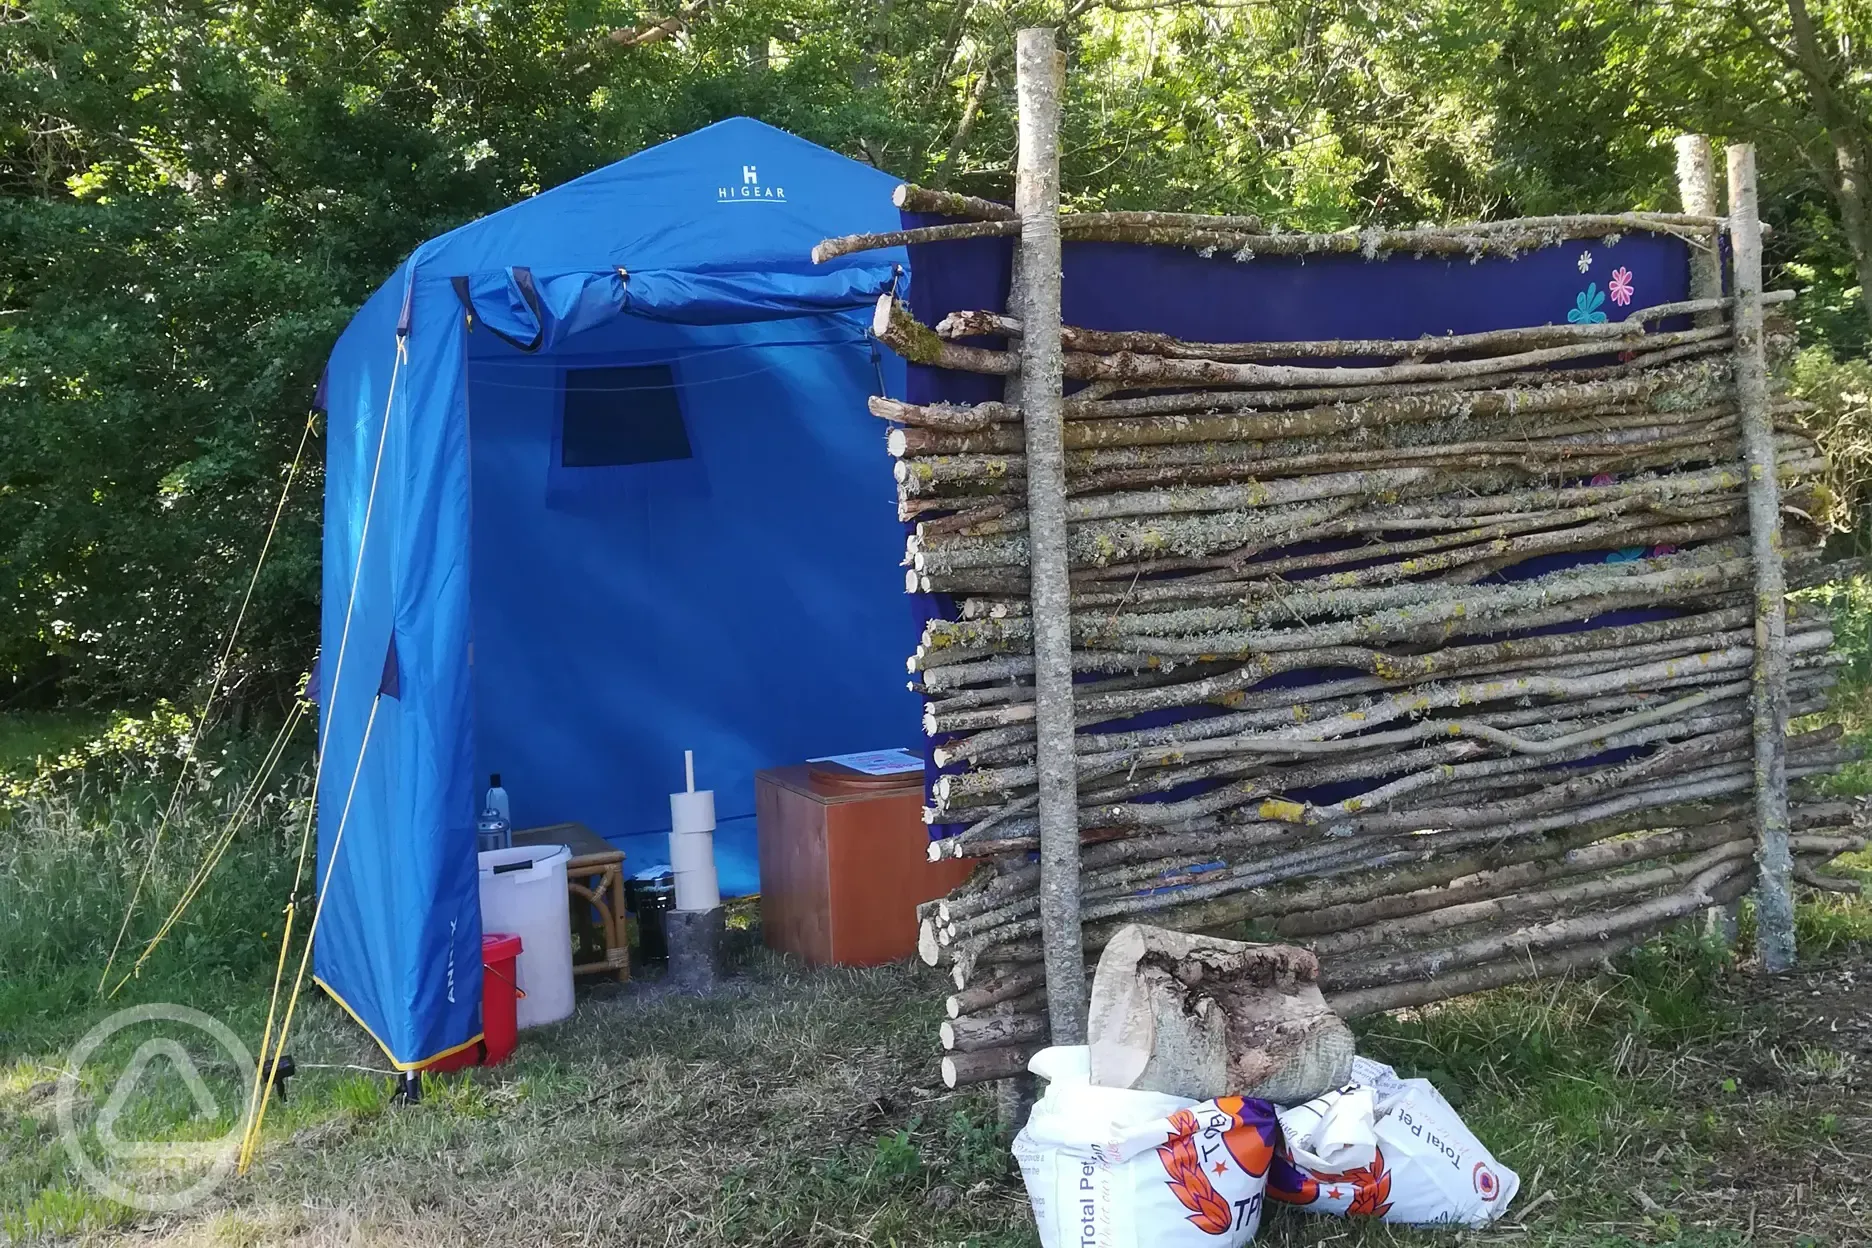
{"type": "Point", "coordinates": [500, 993]}
{"type": "Point", "coordinates": [499, 997]}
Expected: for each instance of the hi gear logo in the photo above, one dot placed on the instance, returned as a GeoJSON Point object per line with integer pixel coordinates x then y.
{"type": "Point", "coordinates": [750, 189]}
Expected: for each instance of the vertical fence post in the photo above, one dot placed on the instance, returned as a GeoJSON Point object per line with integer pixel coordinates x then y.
{"type": "Point", "coordinates": [1036, 199]}
{"type": "Point", "coordinates": [1696, 187]}
{"type": "Point", "coordinates": [1014, 1098]}
{"type": "Point", "coordinates": [1774, 893]}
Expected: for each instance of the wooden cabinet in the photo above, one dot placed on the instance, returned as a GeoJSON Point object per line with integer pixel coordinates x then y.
{"type": "Point", "coordinates": [843, 865]}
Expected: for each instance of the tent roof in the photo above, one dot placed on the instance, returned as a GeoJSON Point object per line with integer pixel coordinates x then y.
{"type": "Point", "coordinates": [739, 194]}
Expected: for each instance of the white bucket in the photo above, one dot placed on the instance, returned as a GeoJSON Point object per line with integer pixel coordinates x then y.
{"type": "Point", "coordinates": [523, 890]}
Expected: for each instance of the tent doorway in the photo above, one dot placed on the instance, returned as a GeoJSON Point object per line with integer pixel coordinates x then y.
{"type": "Point", "coordinates": [677, 537]}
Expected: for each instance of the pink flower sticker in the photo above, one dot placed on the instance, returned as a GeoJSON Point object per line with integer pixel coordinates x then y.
{"type": "Point", "coordinates": [1619, 286]}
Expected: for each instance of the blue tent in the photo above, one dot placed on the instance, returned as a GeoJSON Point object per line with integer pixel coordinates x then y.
{"type": "Point", "coordinates": [600, 487]}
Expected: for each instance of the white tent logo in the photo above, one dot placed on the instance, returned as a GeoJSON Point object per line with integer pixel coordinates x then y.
{"type": "Point", "coordinates": [750, 190]}
{"type": "Point", "coordinates": [156, 1176]}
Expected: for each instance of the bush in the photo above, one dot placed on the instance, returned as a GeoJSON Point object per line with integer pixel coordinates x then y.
{"type": "Point", "coordinates": [1841, 394]}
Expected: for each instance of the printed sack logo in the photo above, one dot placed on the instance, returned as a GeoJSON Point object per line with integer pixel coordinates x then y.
{"type": "Point", "coordinates": [1487, 1186]}
{"type": "Point", "coordinates": [1196, 1160]}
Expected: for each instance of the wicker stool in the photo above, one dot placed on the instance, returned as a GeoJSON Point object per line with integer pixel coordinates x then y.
{"type": "Point", "coordinates": [595, 875]}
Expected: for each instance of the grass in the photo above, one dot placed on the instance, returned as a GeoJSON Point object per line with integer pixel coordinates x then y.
{"type": "Point", "coordinates": [800, 1108]}
{"type": "Point", "coordinates": [1676, 1101]}
{"type": "Point", "coordinates": [30, 739]}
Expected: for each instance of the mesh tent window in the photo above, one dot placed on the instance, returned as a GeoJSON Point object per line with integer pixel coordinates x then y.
{"type": "Point", "coordinates": [621, 415]}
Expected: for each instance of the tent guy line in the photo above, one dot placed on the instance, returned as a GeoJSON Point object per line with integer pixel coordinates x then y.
{"type": "Point", "coordinates": [201, 724]}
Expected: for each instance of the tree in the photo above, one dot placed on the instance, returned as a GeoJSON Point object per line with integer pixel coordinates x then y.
{"type": "Point", "coordinates": [1821, 53]}
{"type": "Point", "coordinates": [196, 194]}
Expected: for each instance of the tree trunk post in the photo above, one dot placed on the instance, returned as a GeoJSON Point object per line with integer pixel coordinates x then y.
{"type": "Point", "coordinates": [1696, 186]}
{"type": "Point", "coordinates": [1774, 894]}
{"type": "Point", "coordinates": [1015, 1095]}
{"type": "Point", "coordinates": [1036, 198]}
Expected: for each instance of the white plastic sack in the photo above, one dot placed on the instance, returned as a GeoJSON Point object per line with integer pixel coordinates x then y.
{"type": "Point", "coordinates": [1115, 1168]}
{"type": "Point", "coordinates": [1333, 1132]}
{"type": "Point", "coordinates": [1388, 1148]}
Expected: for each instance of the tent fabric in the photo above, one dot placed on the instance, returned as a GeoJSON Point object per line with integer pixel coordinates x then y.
{"type": "Point", "coordinates": [485, 608]}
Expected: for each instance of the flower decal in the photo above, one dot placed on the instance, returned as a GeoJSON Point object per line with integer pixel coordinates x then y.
{"type": "Point", "coordinates": [1620, 286]}
{"type": "Point", "coordinates": [1585, 261]}
{"type": "Point", "coordinates": [1586, 307]}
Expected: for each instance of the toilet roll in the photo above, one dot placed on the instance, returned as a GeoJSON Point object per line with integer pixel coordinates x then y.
{"type": "Point", "coordinates": [692, 812]}
{"type": "Point", "coordinates": [692, 849]}
{"type": "Point", "coordinates": [698, 890]}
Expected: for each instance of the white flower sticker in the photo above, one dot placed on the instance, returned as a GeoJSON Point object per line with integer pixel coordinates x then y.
{"type": "Point", "coordinates": [1585, 261]}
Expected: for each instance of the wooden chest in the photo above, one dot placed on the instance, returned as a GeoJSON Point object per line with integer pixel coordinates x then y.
{"type": "Point", "coordinates": [843, 867]}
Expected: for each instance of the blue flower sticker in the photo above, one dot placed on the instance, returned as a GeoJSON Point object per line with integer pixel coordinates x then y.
{"type": "Point", "coordinates": [1586, 307]}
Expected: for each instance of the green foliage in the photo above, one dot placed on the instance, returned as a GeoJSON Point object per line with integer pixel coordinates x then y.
{"type": "Point", "coordinates": [1841, 394]}
{"type": "Point", "coordinates": [194, 199]}
{"type": "Point", "coordinates": [30, 740]}
{"type": "Point", "coordinates": [149, 747]}
{"type": "Point", "coordinates": [1849, 603]}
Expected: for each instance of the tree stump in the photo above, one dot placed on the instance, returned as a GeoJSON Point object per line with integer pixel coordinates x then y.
{"type": "Point", "coordinates": [1202, 1017]}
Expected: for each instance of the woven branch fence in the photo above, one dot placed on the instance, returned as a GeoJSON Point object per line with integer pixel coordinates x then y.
{"type": "Point", "coordinates": [1535, 785]}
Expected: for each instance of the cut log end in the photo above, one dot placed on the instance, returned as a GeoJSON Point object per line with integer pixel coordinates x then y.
{"type": "Point", "coordinates": [909, 197]}
{"type": "Point", "coordinates": [962, 1069]}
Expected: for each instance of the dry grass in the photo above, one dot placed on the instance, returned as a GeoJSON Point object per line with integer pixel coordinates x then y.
{"type": "Point", "coordinates": [1675, 1103]}
{"type": "Point", "coordinates": [789, 1108]}
{"type": "Point", "coordinates": [1678, 1101]}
